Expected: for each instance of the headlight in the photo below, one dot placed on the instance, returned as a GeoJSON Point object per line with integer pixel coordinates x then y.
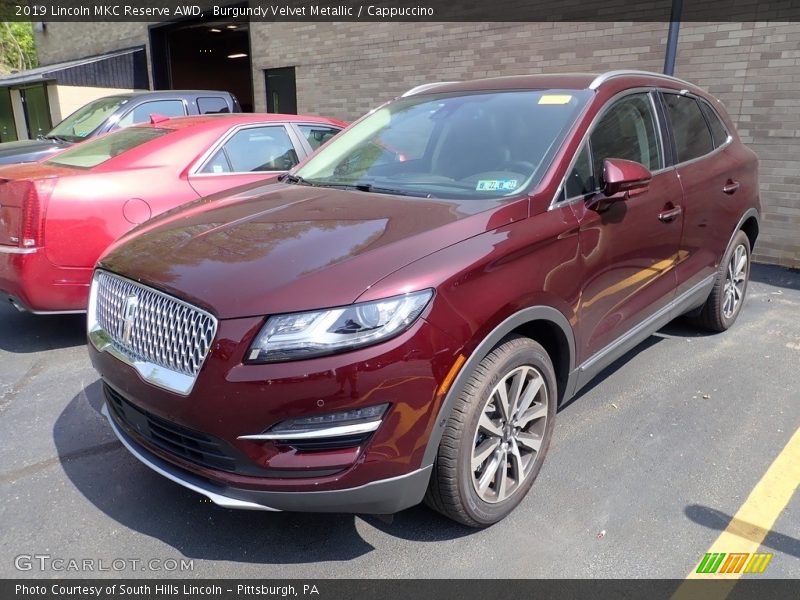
{"type": "Point", "coordinates": [320, 332]}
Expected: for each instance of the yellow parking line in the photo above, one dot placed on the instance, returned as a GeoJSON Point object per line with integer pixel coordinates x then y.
{"type": "Point", "coordinates": [755, 518]}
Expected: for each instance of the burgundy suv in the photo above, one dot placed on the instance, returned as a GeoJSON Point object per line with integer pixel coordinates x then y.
{"type": "Point", "coordinates": [400, 317]}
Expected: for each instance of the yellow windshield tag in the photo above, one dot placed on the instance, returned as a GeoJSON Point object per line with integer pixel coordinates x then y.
{"type": "Point", "coordinates": [555, 99]}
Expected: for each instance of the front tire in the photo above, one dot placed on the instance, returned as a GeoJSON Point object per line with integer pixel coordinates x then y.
{"type": "Point", "coordinates": [727, 296]}
{"type": "Point", "coordinates": [497, 435]}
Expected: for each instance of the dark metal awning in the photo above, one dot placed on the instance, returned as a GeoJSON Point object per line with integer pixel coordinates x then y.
{"type": "Point", "coordinates": [123, 69]}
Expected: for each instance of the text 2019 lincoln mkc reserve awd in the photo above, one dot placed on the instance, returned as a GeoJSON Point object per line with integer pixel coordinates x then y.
{"type": "Point", "coordinates": [400, 316]}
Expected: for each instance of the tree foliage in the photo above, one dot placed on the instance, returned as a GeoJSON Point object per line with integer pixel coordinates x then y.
{"type": "Point", "coordinates": [17, 47]}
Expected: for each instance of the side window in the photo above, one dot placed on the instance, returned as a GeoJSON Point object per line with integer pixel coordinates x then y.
{"type": "Point", "coordinates": [628, 130]}
{"type": "Point", "coordinates": [692, 136]}
{"type": "Point", "coordinates": [718, 132]}
{"type": "Point", "coordinates": [254, 149]}
{"type": "Point", "coordinates": [141, 114]}
{"type": "Point", "coordinates": [580, 180]}
{"type": "Point", "coordinates": [212, 106]}
{"type": "Point", "coordinates": [317, 134]}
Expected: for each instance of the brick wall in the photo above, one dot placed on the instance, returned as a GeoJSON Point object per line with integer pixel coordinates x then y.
{"type": "Point", "coordinates": [68, 41]}
{"type": "Point", "coordinates": [345, 69]}
{"type": "Point", "coordinates": [754, 68]}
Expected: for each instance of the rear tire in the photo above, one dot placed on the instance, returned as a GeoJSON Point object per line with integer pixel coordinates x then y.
{"type": "Point", "coordinates": [497, 435]}
{"type": "Point", "coordinates": [727, 296]}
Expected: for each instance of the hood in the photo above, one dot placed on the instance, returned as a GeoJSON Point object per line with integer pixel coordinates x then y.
{"type": "Point", "coordinates": [283, 248]}
{"type": "Point", "coordinates": [28, 150]}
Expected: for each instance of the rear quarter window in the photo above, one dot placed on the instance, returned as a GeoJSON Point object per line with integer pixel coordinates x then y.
{"type": "Point", "coordinates": [719, 133]}
{"type": "Point", "coordinates": [212, 105]}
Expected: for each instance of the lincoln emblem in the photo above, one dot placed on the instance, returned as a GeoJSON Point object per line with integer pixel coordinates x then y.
{"type": "Point", "coordinates": [129, 316]}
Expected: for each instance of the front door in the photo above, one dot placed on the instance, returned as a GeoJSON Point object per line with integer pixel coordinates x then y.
{"type": "Point", "coordinates": [252, 153]}
{"type": "Point", "coordinates": [629, 249]}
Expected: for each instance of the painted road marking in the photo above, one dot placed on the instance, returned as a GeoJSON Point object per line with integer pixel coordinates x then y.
{"type": "Point", "coordinates": [755, 518]}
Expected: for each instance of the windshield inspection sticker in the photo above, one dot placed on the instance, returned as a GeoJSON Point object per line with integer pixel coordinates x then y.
{"type": "Point", "coordinates": [496, 185]}
{"type": "Point", "coordinates": [555, 99]}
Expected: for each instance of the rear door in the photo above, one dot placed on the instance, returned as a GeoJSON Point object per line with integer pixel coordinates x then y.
{"type": "Point", "coordinates": [707, 167]}
{"type": "Point", "coordinates": [247, 154]}
{"type": "Point", "coordinates": [628, 250]}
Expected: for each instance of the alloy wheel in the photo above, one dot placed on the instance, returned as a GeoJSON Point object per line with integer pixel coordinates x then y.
{"type": "Point", "coordinates": [735, 282]}
{"type": "Point", "coordinates": [509, 434]}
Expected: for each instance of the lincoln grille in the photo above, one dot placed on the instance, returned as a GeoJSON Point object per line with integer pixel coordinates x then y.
{"type": "Point", "coordinates": [147, 325]}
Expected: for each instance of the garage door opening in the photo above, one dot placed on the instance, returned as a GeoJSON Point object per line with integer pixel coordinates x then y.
{"type": "Point", "coordinates": [204, 54]}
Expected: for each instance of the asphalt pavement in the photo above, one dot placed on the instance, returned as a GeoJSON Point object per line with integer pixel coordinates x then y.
{"type": "Point", "coordinates": [647, 467]}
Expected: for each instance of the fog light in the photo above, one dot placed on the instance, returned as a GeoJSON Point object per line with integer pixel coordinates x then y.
{"type": "Point", "coordinates": [358, 415]}
{"type": "Point", "coordinates": [331, 425]}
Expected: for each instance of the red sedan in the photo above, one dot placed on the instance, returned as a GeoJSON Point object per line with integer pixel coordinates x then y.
{"type": "Point", "coordinates": [58, 215]}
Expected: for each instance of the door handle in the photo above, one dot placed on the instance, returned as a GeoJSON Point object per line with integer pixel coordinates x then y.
{"type": "Point", "coordinates": [670, 215]}
{"type": "Point", "coordinates": [730, 187]}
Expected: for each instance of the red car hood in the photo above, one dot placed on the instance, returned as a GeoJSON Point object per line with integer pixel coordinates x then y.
{"type": "Point", "coordinates": [283, 248]}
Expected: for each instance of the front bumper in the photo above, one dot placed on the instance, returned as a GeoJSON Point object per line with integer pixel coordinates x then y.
{"type": "Point", "coordinates": [378, 497]}
{"type": "Point", "coordinates": [204, 439]}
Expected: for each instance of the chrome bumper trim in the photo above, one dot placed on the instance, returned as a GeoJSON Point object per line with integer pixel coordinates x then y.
{"type": "Point", "coordinates": [15, 250]}
{"type": "Point", "coordinates": [330, 432]}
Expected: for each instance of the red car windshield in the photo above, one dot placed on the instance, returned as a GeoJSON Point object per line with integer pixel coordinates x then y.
{"type": "Point", "coordinates": [94, 152]}
{"type": "Point", "coordinates": [450, 145]}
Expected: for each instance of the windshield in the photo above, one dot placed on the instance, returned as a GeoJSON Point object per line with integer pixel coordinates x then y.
{"type": "Point", "coordinates": [456, 145]}
{"type": "Point", "coordinates": [92, 153]}
{"type": "Point", "coordinates": [86, 120]}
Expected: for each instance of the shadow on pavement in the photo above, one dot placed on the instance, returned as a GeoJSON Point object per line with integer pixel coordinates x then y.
{"type": "Point", "coordinates": [778, 276]}
{"type": "Point", "coordinates": [718, 520]}
{"type": "Point", "coordinates": [611, 369]}
{"type": "Point", "coordinates": [143, 501]}
{"type": "Point", "coordinates": [23, 333]}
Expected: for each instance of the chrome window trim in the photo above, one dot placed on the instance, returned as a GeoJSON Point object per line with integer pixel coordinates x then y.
{"type": "Point", "coordinates": [194, 171]}
{"type": "Point", "coordinates": [717, 149]}
{"type": "Point", "coordinates": [603, 77]}
{"type": "Point", "coordinates": [555, 203]}
{"type": "Point", "coordinates": [152, 373]}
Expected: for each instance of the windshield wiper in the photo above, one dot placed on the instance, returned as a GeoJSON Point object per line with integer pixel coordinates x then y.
{"type": "Point", "coordinates": [58, 138]}
{"type": "Point", "coordinates": [376, 189]}
{"type": "Point", "coordinates": [289, 178]}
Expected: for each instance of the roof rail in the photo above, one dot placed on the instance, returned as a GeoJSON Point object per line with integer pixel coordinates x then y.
{"type": "Point", "coordinates": [602, 78]}
{"type": "Point", "coordinates": [425, 87]}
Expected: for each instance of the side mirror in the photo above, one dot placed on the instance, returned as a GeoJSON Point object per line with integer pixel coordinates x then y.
{"type": "Point", "coordinates": [624, 177]}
